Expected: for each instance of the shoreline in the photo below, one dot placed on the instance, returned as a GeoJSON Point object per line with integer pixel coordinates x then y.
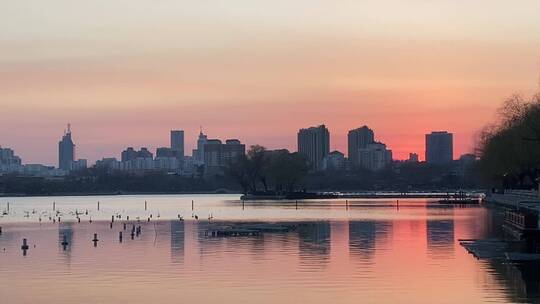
{"type": "Point", "coordinates": [118, 193]}
{"type": "Point", "coordinates": [293, 196]}
{"type": "Point", "coordinates": [363, 195]}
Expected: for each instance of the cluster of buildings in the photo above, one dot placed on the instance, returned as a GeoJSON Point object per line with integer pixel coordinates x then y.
{"type": "Point", "coordinates": [213, 156]}
{"type": "Point", "coordinates": [11, 163]}
{"type": "Point", "coordinates": [365, 152]}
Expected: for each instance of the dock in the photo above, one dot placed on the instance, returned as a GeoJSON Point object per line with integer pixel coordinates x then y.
{"type": "Point", "coordinates": [485, 249]}
{"type": "Point", "coordinates": [247, 229]}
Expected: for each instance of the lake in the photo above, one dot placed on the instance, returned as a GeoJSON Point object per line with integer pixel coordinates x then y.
{"type": "Point", "coordinates": [362, 251]}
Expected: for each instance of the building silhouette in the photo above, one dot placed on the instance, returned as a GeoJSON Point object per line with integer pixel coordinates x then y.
{"type": "Point", "coordinates": [334, 161]}
{"type": "Point", "coordinates": [314, 143]}
{"type": "Point", "coordinates": [66, 150]}
{"type": "Point", "coordinates": [375, 156]}
{"type": "Point", "coordinates": [218, 156]}
{"type": "Point", "coordinates": [439, 147]}
{"type": "Point", "coordinates": [177, 143]}
{"type": "Point", "coordinates": [358, 139]}
{"type": "Point", "coordinates": [198, 153]}
{"type": "Point", "coordinates": [132, 154]}
{"type": "Point", "coordinates": [8, 157]}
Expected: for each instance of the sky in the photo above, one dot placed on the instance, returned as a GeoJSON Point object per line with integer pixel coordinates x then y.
{"type": "Point", "coordinates": [124, 73]}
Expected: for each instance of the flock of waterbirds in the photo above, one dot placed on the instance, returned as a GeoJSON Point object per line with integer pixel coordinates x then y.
{"type": "Point", "coordinates": [55, 215]}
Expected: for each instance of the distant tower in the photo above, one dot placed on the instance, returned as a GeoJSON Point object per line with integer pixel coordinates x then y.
{"type": "Point", "coordinates": [177, 143]}
{"type": "Point", "coordinates": [314, 143]}
{"type": "Point", "coordinates": [66, 150]}
{"type": "Point", "coordinates": [359, 139]}
{"type": "Point", "coordinates": [200, 146]}
{"type": "Point", "coordinates": [439, 147]}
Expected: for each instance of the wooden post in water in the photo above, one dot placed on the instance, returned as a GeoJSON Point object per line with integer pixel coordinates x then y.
{"type": "Point", "coordinates": [24, 246]}
{"type": "Point", "coordinates": [145, 205]}
{"type": "Point", "coordinates": [0, 230]}
{"type": "Point", "coordinates": [346, 204]}
{"type": "Point", "coordinates": [192, 205]}
{"type": "Point", "coordinates": [64, 242]}
{"type": "Point", "coordinates": [54, 206]}
{"type": "Point", "coordinates": [8, 207]}
{"type": "Point", "coordinates": [95, 240]}
{"type": "Point", "coordinates": [243, 204]}
{"type": "Point", "coordinates": [120, 236]}
{"type": "Point", "coordinates": [296, 204]}
{"type": "Point", "coordinates": [98, 205]}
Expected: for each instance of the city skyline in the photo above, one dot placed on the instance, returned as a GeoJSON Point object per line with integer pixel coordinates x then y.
{"type": "Point", "coordinates": [176, 140]}
{"type": "Point", "coordinates": [152, 67]}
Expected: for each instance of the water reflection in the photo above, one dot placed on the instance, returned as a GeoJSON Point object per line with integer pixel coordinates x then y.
{"type": "Point", "coordinates": [363, 236]}
{"type": "Point", "coordinates": [177, 241]}
{"type": "Point", "coordinates": [314, 243]}
{"type": "Point", "coordinates": [65, 234]}
{"type": "Point", "coordinates": [389, 259]}
{"type": "Point", "coordinates": [440, 236]}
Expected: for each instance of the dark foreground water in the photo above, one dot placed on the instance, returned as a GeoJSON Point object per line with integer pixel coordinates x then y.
{"type": "Point", "coordinates": [372, 252]}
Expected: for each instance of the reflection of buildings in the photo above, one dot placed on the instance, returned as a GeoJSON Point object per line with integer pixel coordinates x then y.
{"type": "Point", "coordinates": [65, 228]}
{"type": "Point", "coordinates": [177, 241]}
{"type": "Point", "coordinates": [521, 281]}
{"type": "Point", "coordinates": [440, 236]}
{"type": "Point", "coordinates": [314, 241]}
{"type": "Point", "coordinates": [363, 236]}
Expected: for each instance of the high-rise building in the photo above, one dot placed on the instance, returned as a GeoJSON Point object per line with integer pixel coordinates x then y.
{"type": "Point", "coordinates": [314, 143]}
{"type": "Point", "coordinates": [177, 143]}
{"type": "Point", "coordinates": [66, 150]}
{"type": "Point", "coordinates": [198, 153]}
{"type": "Point", "coordinates": [334, 161]}
{"type": "Point", "coordinates": [232, 150]}
{"type": "Point", "coordinates": [129, 154]}
{"type": "Point", "coordinates": [9, 162]}
{"type": "Point", "coordinates": [375, 156]}
{"type": "Point", "coordinates": [8, 157]}
{"type": "Point", "coordinates": [359, 139]}
{"type": "Point", "coordinates": [132, 154]}
{"type": "Point", "coordinates": [218, 156]}
{"type": "Point", "coordinates": [439, 147]}
{"type": "Point", "coordinates": [212, 153]}
{"type": "Point", "coordinates": [165, 152]}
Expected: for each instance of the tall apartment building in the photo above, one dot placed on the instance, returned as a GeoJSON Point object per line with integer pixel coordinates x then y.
{"type": "Point", "coordinates": [314, 143]}
{"type": "Point", "coordinates": [66, 150]}
{"type": "Point", "coordinates": [439, 147]}
{"type": "Point", "coordinates": [177, 143]}
{"type": "Point", "coordinates": [358, 139]}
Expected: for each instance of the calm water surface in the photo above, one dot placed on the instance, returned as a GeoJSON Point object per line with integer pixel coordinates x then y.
{"type": "Point", "coordinates": [372, 252]}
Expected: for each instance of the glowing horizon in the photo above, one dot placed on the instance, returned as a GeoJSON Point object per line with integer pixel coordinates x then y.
{"type": "Point", "coordinates": [124, 73]}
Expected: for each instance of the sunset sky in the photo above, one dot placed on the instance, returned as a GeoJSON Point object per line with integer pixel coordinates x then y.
{"type": "Point", "coordinates": [124, 73]}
